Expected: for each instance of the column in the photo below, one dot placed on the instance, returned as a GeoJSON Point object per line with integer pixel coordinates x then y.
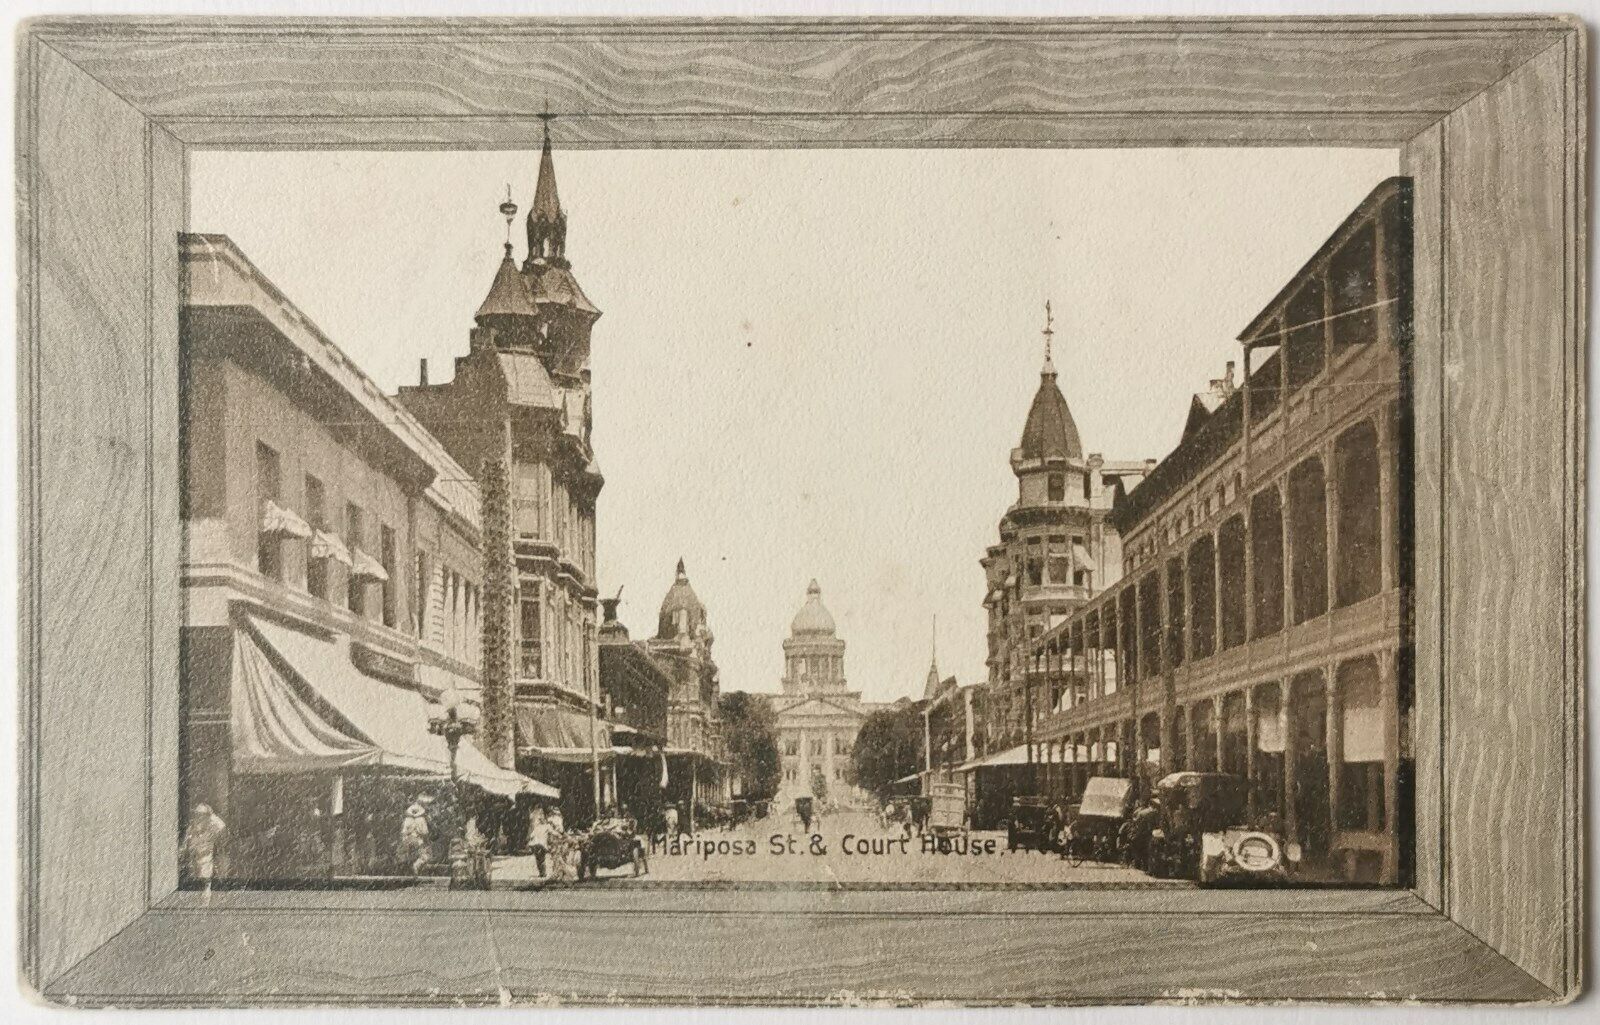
{"type": "Point", "coordinates": [1330, 516]}
{"type": "Point", "coordinates": [1285, 724]}
{"type": "Point", "coordinates": [1389, 701]}
{"type": "Point", "coordinates": [1250, 740]}
{"type": "Point", "coordinates": [1221, 730]}
{"type": "Point", "coordinates": [1386, 499]}
{"type": "Point", "coordinates": [1335, 754]}
{"type": "Point", "coordinates": [1286, 519]}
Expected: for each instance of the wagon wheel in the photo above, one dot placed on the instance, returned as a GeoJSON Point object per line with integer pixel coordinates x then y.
{"type": "Point", "coordinates": [1072, 853]}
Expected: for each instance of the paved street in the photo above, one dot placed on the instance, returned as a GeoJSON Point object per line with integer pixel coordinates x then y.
{"type": "Point", "coordinates": [849, 847]}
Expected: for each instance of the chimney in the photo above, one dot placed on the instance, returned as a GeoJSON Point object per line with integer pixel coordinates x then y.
{"type": "Point", "coordinates": [1227, 378]}
{"type": "Point", "coordinates": [424, 381]}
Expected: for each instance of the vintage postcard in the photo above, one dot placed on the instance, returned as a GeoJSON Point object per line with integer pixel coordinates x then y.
{"type": "Point", "coordinates": [659, 501]}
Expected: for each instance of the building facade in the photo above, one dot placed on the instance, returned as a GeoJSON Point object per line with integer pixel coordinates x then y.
{"type": "Point", "coordinates": [1262, 623]}
{"type": "Point", "coordinates": [696, 769]}
{"type": "Point", "coordinates": [1056, 550]}
{"type": "Point", "coordinates": [818, 715]}
{"type": "Point", "coordinates": [517, 416]}
{"type": "Point", "coordinates": [332, 574]}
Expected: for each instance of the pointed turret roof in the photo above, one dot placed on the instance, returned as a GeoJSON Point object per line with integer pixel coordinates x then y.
{"type": "Point", "coordinates": [546, 203]}
{"type": "Point", "coordinates": [508, 296]}
{"type": "Point", "coordinates": [680, 597]}
{"type": "Point", "coordinates": [1050, 432]}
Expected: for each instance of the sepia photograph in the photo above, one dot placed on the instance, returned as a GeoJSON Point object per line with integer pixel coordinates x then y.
{"type": "Point", "coordinates": [545, 506]}
{"type": "Point", "coordinates": [412, 651]}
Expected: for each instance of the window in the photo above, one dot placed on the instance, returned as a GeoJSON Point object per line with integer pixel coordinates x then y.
{"type": "Point", "coordinates": [1086, 486]}
{"type": "Point", "coordinates": [1056, 487]}
{"type": "Point", "coordinates": [1359, 561]}
{"type": "Point", "coordinates": [838, 772]}
{"type": "Point", "coordinates": [1266, 557]}
{"type": "Point", "coordinates": [1150, 622]}
{"type": "Point", "coordinates": [422, 591]}
{"type": "Point", "coordinates": [269, 547]}
{"type": "Point", "coordinates": [1306, 334]}
{"type": "Point", "coordinates": [356, 589]}
{"type": "Point", "coordinates": [532, 647]}
{"type": "Point", "coordinates": [1264, 384]}
{"type": "Point", "coordinates": [791, 747]}
{"type": "Point", "coordinates": [1175, 611]}
{"type": "Point", "coordinates": [1202, 597]}
{"type": "Point", "coordinates": [1230, 555]}
{"type": "Point", "coordinates": [816, 746]}
{"type": "Point", "coordinates": [1352, 275]}
{"type": "Point", "coordinates": [387, 555]}
{"type": "Point", "coordinates": [317, 513]}
{"type": "Point", "coordinates": [1308, 531]}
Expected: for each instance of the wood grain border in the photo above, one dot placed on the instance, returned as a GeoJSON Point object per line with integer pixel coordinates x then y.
{"type": "Point", "coordinates": [1489, 117]}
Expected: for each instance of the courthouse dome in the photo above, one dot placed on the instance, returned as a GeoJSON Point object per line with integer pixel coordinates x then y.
{"type": "Point", "coordinates": [1050, 432]}
{"type": "Point", "coordinates": [812, 619]}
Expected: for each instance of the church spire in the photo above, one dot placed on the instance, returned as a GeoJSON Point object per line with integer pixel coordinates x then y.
{"type": "Point", "coordinates": [547, 224]}
{"type": "Point", "coordinates": [931, 689]}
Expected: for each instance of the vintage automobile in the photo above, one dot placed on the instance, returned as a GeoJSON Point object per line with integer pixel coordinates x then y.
{"type": "Point", "coordinates": [1205, 833]}
{"type": "Point", "coordinates": [1036, 823]}
{"type": "Point", "coordinates": [609, 843]}
{"type": "Point", "coordinates": [1091, 834]}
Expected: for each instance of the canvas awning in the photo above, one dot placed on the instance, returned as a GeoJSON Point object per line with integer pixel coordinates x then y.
{"type": "Point", "coordinates": [365, 566]}
{"type": "Point", "coordinates": [281, 522]}
{"type": "Point", "coordinates": [326, 546]}
{"type": "Point", "coordinates": [561, 734]}
{"type": "Point", "coordinates": [1010, 756]}
{"type": "Point", "coordinates": [300, 704]}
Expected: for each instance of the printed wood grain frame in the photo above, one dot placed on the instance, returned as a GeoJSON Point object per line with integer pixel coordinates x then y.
{"type": "Point", "coordinates": [1488, 115]}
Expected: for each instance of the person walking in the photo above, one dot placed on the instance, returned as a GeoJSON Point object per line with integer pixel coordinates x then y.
{"type": "Point", "coordinates": [414, 839]}
{"type": "Point", "coordinates": [200, 845]}
{"type": "Point", "coordinates": [538, 837]}
{"type": "Point", "coordinates": [670, 814]}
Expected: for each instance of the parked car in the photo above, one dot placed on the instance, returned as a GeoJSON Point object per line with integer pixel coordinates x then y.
{"type": "Point", "coordinates": [1206, 833]}
{"type": "Point", "coordinates": [1092, 832]}
{"type": "Point", "coordinates": [1036, 823]}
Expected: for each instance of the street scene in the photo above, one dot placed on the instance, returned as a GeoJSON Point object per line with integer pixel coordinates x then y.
{"type": "Point", "coordinates": [1179, 636]}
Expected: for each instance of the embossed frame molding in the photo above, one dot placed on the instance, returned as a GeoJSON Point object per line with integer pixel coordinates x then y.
{"type": "Point", "coordinates": [1488, 115]}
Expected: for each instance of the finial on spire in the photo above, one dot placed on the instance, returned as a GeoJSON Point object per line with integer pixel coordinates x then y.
{"type": "Point", "coordinates": [933, 647]}
{"type": "Point", "coordinates": [681, 574]}
{"type": "Point", "coordinates": [1049, 336]}
{"type": "Point", "coordinates": [508, 209]}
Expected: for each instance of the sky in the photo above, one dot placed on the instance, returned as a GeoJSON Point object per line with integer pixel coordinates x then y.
{"type": "Point", "coordinates": [813, 363]}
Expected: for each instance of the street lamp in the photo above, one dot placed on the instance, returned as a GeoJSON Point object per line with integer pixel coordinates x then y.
{"type": "Point", "coordinates": [452, 718]}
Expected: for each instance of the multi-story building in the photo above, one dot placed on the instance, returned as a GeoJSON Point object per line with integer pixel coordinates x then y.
{"type": "Point", "coordinates": [696, 769]}
{"type": "Point", "coordinates": [517, 417]}
{"type": "Point", "coordinates": [1056, 547]}
{"type": "Point", "coordinates": [333, 589]}
{"type": "Point", "coordinates": [818, 714]}
{"type": "Point", "coordinates": [635, 691]}
{"type": "Point", "coordinates": [1262, 623]}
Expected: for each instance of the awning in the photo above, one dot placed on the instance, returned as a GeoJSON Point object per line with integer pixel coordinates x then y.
{"type": "Point", "coordinates": [301, 705]}
{"type": "Point", "coordinates": [560, 734]}
{"type": "Point", "coordinates": [325, 546]}
{"type": "Point", "coordinates": [1010, 756]}
{"type": "Point", "coordinates": [275, 519]}
{"type": "Point", "coordinates": [365, 566]}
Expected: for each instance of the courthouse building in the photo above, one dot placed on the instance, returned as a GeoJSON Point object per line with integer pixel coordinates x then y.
{"type": "Point", "coordinates": [818, 714]}
{"type": "Point", "coordinates": [1261, 626]}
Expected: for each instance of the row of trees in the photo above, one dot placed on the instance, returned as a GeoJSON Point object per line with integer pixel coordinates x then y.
{"type": "Point", "coordinates": [888, 747]}
{"type": "Point", "coordinates": [750, 734]}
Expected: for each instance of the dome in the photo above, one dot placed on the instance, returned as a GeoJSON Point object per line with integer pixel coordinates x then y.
{"type": "Point", "coordinates": [1050, 432]}
{"type": "Point", "coordinates": [680, 599]}
{"type": "Point", "coordinates": [812, 619]}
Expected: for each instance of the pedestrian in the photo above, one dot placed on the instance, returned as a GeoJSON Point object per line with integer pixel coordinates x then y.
{"type": "Point", "coordinates": [671, 816]}
{"type": "Point", "coordinates": [538, 837]}
{"type": "Point", "coordinates": [200, 845]}
{"type": "Point", "coordinates": [414, 839]}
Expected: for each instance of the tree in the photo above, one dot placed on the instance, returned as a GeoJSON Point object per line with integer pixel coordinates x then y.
{"type": "Point", "coordinates": [888, 747]}
{"type": "Point", "coordinates": [750, 734]}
